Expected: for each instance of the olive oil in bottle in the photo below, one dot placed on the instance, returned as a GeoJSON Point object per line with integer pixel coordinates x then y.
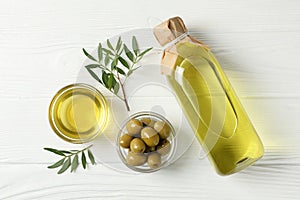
{"type": "Point", "coordinates": [211, 106]}
{"type": "Point", "coordinates": [78, 113]}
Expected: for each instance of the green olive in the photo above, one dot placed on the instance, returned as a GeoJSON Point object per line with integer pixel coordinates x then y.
{"type": "Point", "coordinates": [134, 127]}
{"type": "Point", "coordinates": [148, 121]}
{"type": "Point", "coordinates": [163, 129]}
{"type": "Point", "coordinates": [125, 140]}
{"type": "Point", "coordinates": [164, 147]}
{"type": "Point", "coordinates": [136, 159]}
{"type": "Point", "coordinates": [150, 136]}
{"type": "Point", "coordinates": [137, 145]}
{"type": "Point", "coordinates": [154, 160]}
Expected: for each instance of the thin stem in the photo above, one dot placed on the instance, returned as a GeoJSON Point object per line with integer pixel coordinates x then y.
{"type": "Point", "coordinates": [77, 152]}
{"type": "Point", "coordinates": [86, 148]}
{"type": "Point", "coordinates": [123, 91]}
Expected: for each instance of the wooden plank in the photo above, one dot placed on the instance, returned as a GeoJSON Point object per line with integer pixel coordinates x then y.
{"type": "Point", "coordinates": [188, 178]}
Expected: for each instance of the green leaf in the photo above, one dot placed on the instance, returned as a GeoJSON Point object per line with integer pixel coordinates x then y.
{"type": "Point", "coordinates": [54, 151]}
{"type": "Point", "coordinates": [124, 62]}
{"type": "Point", "coordinates": [119, 44]}
{"type": "Point", "coordinates": [92, 159]}
{"type": "Point", "coordinates": [128, 53]}
{"type": "Point", "coordinates": [114, 64]}
{"type": "Point", "coordinates": [92, 66]}
{"type": "Point", "coordinates": [106, 60]}
{"type": "Point", "coordinates": [109, 44]}
{"type": "Point", "coordinates": [120, 71]}
{"type": "Point", "coordinates": [74, 163]}
{"type": "Point", "coordinates": [105, 78]}
{"type": "Point", "coordinates": [136, 68]}
{"type": "Point", "coordinates": [121, 51]}
{"type": "Point", "coordinates": [93, 74]}
{"type": "Point", "coordinates": [83, 160]}
{"type": "Point", "coordinates": [116, 88]}
{"type": "Point", "coordinates": [107, 51]}
{"type": "Point", "coordinates": [88, 55]}
{"type": "Point", "coordinates": [64, 151]}
{"type": "Point", "coordinates": [135, 46]}
{"type": "Point", "coordinates": [110, 82]}
{"type": "Point", "coordinates": [57, 164]}
{"type": "Point", "coordinates": [129, 72]}
{"type": "Point", "coordinates": [114, 81]}
{"type": "Point", "coordinates": [65, 166]}
{"type": "Point", "coordinates": [100, 53]}
{"type": "Point", "coordinates": [144, 52]}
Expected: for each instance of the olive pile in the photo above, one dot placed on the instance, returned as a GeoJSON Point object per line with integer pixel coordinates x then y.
{"type": "Point", "coordinates": [147, 142]}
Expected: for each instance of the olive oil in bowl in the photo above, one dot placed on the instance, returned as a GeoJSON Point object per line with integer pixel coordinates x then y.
{"type": "Point", "coordinates": [78, 113]}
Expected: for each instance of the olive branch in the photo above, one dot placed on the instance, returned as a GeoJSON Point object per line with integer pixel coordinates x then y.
{"type": "Point", "coordinates": [115, 67]}
{"type": "Point", "coordinates": [71, 159]}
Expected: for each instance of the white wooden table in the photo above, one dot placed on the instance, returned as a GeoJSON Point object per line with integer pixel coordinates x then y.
{"type": "Point", "coordinates": [257, 43]}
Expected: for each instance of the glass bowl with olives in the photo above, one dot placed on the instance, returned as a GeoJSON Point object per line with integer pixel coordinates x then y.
{"type": "Point", "coordinates": [146, 142]}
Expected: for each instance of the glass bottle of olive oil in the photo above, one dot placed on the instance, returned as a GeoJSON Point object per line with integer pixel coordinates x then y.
{"type": "Point", "coordinates": [211, 106]}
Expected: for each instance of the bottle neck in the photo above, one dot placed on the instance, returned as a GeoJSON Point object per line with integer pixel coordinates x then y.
{"type": "Point", "coordinates": [176, 40]}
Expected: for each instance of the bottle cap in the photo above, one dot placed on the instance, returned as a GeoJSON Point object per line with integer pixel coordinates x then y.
{"type": "Point", "coordinates": [169, 30]}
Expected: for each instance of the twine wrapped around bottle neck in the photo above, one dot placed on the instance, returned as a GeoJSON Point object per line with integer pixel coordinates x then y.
{"type": "Point", "coordinates": [170, 30]}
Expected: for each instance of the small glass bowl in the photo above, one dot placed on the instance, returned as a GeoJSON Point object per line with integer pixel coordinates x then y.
{"type": "Point", "coordinates": [165, 159]}
{"type": "Point", "coordinates": [78, 113]}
